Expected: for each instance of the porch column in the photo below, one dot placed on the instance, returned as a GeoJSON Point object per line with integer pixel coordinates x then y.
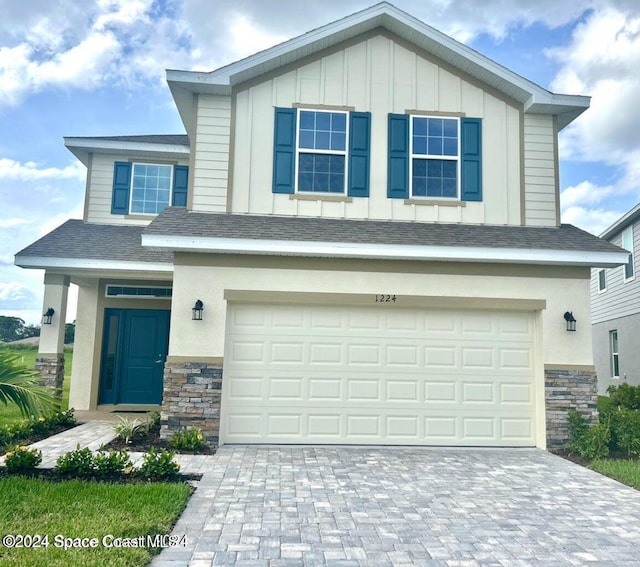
{"type": "Point", "coordinates": [50, 360]}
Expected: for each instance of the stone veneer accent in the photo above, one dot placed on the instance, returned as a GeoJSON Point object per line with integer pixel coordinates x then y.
{"type": "Point", "coordinates": [51, 369]}
{"type": "Point", "coordinates": [568, 389]}
{"type": "Point", "coordinates": [191, 398]}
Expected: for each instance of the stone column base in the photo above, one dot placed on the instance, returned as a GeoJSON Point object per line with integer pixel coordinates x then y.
{"type": "Point", "coordinates": [565, 390]}
{"type": "Point", "coordinates": [191, 398]}
{"type": "Point", "coordinates": [51, 369]}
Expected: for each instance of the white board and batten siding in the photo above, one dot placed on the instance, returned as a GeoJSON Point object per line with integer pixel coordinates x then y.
{"type": "Point", "coordinates": [100, 190]}
{"type": "Point", "coordinates": [540, 180]}
{"type": "Point", "coordinates": [362, 375]}
{"type": "Point", "coordinates": [381, 76]}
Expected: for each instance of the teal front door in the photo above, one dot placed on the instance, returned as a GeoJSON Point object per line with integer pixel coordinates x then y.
{"type": "Point", "coordinates": [134, 349]}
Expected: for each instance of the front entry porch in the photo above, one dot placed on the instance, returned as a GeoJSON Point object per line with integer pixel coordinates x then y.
{"type": "Point", "coordinates": [134, 350]}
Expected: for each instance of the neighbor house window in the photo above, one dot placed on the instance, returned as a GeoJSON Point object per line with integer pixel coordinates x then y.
{"type": "Point", "coordinates": [435, 151]}
{"type": "Point", "coordinates": [602, 280]}
{"type": "Point", "coordinates": [322, 151]}
{"type": "Point", "coordinates": [615, 357]}
{"type": "Point", "coordinates": [627, 244]}
{"type": "Point", "coordinates": [148, 188]}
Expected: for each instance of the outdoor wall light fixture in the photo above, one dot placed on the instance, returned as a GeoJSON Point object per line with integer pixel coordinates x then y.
{"type": "Point", "coordinates": [571, 321]}
{"type": "Point", "coordinates": [48, 316]}
{"type": "Point", "coordinates": [196, 312]}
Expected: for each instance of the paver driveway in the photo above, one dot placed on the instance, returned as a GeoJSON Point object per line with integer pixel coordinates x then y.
{"type": "Point", "coordinates": [286, 506]}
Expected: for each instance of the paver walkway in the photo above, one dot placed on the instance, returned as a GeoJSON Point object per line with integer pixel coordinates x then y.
{"type": "Point", "coordinates": [94, 434]}
{"type": "Point", "coordinates": [271, 506]}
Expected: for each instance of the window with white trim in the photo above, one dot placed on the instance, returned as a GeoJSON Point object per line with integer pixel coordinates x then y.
{"type": "Point", "coordinates": [435, 157]}
{"type": "Point", "coordinates": [615, 356]}
{"type": "Point", "coordinates": [322, 151]}
{"type": "Point", "coordinates": [147, 188]}
{"type": "Point", "coordinates": [602, 280]}
{"type": "Point", "coordinates": [627, 244]}
{"type": "Point", "coordinates": [151, 186]}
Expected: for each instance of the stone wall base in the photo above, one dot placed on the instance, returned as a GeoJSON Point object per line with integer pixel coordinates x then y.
{"type": "Point", "coordinates": [51, 369]}
{"type": "Point", "coordinates": [191, 398]}
{"type": "Point", "coordinates": [565, 390]}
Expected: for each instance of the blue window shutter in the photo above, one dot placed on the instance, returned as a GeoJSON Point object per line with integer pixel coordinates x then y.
{"type": "Point", "coordinates": [471, 143]}
{"type": "Point", "coordinates": [359, 149]}
{"type": "Point", "coordinates": [121, 186]}
{"type": "Point", "coordinates": [398, 157]}
{"type": "Point", "coordinates": [180, 185]}
{"type": "Point", "coordinates": [284, 150]}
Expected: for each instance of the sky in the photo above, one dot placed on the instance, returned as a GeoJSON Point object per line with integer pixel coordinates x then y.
{"type": "Point", "coordinates": [97, 68]}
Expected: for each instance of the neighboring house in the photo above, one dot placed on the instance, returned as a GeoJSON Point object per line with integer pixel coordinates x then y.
{"type": "Point", "coordinates": [615, 309]}
{"type": "Point", "coordinates": [357, 241]}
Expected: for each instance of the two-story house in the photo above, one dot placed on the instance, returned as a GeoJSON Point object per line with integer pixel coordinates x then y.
{"type": "Point", "coordinates": [615, 309]}
{"type": "Point", "coordinates": [357, 241]}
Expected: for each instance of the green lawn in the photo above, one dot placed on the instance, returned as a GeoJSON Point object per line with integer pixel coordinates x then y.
{"type": "Point", "coordinates": [10, 414]}
{"type": "Point", "coordinates": [79, 509]}
{"type": "Point", "coordinates": [627, 472]}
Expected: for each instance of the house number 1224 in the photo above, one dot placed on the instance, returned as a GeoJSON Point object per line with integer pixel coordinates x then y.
{"type": "Point", "coordinates": [386, 298]}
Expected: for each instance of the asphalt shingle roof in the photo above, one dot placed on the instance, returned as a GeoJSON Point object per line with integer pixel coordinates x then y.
{"type": "Point", "coordinates": [79, 240]}
{"type": "Point", "coordinates": [175, 221]}
{"type": "Point", "coordinates": [76, 239]}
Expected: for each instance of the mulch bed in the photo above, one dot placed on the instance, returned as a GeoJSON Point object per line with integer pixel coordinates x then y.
{"type": "Point", "coordinates": [53, 475]}
{"type": "Point", "coordinates": [144, 443]}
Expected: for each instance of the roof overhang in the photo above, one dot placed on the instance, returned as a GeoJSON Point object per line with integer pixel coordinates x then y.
{"type": "Point", "coordinates": [385, 251]}
{"type": "Point", "coordinates": [535, 99]}
{"type": "Point", "coordinates": [87, 264]}
{"type": "Point", "coordinates": [82, 147]}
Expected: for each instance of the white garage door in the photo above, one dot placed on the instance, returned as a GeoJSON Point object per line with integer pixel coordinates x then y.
{"type": "Point", "coordinates": [363, 375]}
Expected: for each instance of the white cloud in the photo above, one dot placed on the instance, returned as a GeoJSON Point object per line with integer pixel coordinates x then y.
{"type": "Point", "coordinates": [13, 293]}
{"type": "Point", "coordinates": [31, 171]}
{"type": "Point", "coordinates": [591, 220]}
{"type": "Point", "coordinates": [11, 223]}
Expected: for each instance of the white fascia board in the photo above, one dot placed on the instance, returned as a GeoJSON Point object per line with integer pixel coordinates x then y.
{"type": "Point", "coordinates": [385, 251]}
{"type": "Point", "coordinates": [119, 145]}
{"type": "Point", "coordinates": [43, 263]}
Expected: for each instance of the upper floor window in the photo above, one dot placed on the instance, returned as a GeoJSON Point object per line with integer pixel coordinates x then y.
{"type": "Point", "coordinates": [627, 244]}
{"type": "Point", "coordinates": [602, 280]}
{"type": "Point", "coordinates": [435, 154]}
{"type": "Point", "coordinates": [148, 188]}
{"type": "Point", "coordinates": [151, 188]}
{"type": "Point", "coordinates": [438, 157]}
{"type": "Point", "coordinates": [322, 151]}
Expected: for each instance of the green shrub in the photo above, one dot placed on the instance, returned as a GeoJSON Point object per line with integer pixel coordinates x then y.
{"type": "Point", "coordinates": [158, 465]}
{"type": "Point", "coordinates": [188, 439]}
{"type": "Point", "coordinates": [78, 463]}
{"type": "Point", "coordinates": [127, 429]}
{"type": "Point", "coordinates": [22, 459]}
{"type": "Point", "coordinates": [588, 442]}
{"type": "Point", "coordinates": [625, 396]}
{"type": "Point", "coordinates": [111, 463]}
{"type": "Point", "coordinates": [62, 419]}
{"type": "Point", "coordinates": [152, 423]}
{"type": "Point", "coordinates": [625, 431]}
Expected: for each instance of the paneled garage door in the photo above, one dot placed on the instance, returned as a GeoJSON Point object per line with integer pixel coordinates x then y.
{"type": "Point", "coordinates": [385, 375]}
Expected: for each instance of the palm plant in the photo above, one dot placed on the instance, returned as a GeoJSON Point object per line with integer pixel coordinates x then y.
{"type": "Point", "coordinates": [18, 386]}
